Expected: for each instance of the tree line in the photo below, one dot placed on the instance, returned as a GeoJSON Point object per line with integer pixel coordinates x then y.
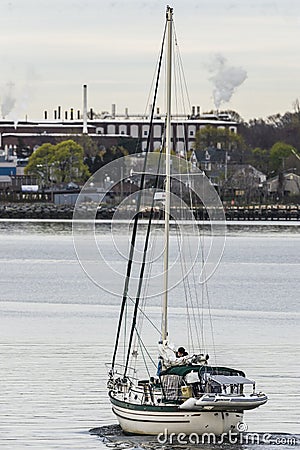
{"type": "Point", "coordinates": [264, 143]}
{"type": "Point", "coordinates": [74, 160]}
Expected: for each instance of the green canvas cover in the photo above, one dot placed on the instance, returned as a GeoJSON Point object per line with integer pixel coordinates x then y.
{"type": "Point", "coordinates": [215, 370]}
{"type": "Point", "coordinates": [181, 370]}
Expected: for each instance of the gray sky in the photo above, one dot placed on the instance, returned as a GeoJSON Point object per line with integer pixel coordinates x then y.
{"type": "Point", "coordinates": [49, 48]}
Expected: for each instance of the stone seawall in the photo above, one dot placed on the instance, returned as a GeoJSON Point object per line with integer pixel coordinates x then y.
{"type": "Point", "coordinates": [35, 211]}
{"type": "Point", "coordinates": [52, 211]}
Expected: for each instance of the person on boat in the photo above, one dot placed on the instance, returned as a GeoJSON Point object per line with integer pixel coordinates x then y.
{"type": "Point", "coordinates": [170, 357]}
{"type": "Point", "coordinates": [159, 366]}
{"type": "Point", "coordinates": [181, 352]}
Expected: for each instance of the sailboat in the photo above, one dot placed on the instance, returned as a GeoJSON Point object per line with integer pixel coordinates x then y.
{"type": "Point", "coordinates": [185, 394]}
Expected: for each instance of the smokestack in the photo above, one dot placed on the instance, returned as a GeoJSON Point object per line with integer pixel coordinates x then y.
{"type": "Point", "coordinates": [45, 115]}
{"type": "Point", "coordinates": [66, 115]}
{"type": "Point", "coordinates": [193, 110]}
{"type": "Point", "coordinates": [59, 112]}
{"type": "Point", "coordinates": [198, 110]}
{"type": "Point", "coordinates": [78, 114]}
{"type": "Point", "coordinates": [72, 114]}
{"type": "Point", "coordinates": [157, 111]}
{"type": "Point", "coordinates": [126, 113]}
{"type": "Point", "coordinates": [84, 116]}
{"type": "Point", "coordinates": [55, 114]}
{"type": "Point", "coordinates": [113, 111]}
{"type": "Point", "coordinates": [91, 114]}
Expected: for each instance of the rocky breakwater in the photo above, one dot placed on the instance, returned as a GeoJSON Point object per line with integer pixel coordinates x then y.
{"type": "Point", "coordinates": [35, 211]}
{"type": "Point", "coordinates": [51, 211]}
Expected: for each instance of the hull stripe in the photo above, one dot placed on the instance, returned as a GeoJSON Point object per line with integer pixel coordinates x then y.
{"type": "Point", "coordinates": [149, 414]}
{"type": "Point", "coordinates": [145, 408]}
{"type": "Point", "coordinates": [145, 420]}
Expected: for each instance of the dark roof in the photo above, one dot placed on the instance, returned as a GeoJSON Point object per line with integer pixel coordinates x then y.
{"type": "Point", "coordinates": [216, 155]}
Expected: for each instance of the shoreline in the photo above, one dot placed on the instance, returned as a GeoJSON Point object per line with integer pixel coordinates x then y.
{"type": "Point", "coordinates": [229, 223]}
{"type": "Point", "coordinates": [253, 214]}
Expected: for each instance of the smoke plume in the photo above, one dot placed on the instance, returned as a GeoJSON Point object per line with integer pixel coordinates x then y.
{"type": "Point", "coordinates": [225, 79]}
{"type": "Point", "coordinates": [15, 99]}
{"type": "Point", "coordinates": [8, 99]}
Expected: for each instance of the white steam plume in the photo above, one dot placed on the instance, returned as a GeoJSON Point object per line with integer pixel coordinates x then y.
{"type": "Point", "coordinates": [225, 79]}
{"type": "Point", "coordinates": [8, 99]}
{"type": "Point", "coordinates": [15, 100]}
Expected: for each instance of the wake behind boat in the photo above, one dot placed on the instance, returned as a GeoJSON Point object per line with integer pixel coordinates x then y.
{"type": "Point", "coordinates": [186, 394]}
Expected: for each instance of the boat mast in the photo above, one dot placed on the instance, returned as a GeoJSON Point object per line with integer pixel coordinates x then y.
{"type": "Point", "coordinates": [168, 172]}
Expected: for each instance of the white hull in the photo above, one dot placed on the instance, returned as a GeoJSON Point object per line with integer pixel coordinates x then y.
{"type": "Point", "coordinates": [153, 421]}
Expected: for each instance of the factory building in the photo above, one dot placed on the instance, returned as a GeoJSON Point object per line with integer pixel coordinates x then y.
{"type": "Point", "coordinates": [107, 128]}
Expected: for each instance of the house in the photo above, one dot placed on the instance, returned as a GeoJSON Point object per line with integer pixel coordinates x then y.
{"type": "Point", "coordinates": [285, 184]}
{"type": "Point", "coordinates": [245, 182]}
{"type": "Point", "coordinates": [212, 161]}
{"type": "Point", "coordinates": [244, 176]}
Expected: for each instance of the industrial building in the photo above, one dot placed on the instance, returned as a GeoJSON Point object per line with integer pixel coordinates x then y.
{"type": "Point", "coordinates": [107, 128]}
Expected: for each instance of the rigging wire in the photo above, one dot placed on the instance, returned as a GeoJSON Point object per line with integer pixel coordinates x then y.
{"type": "Point", "coordinates": [146, 244]}
{"type": "Point", "coordinates": [142, 345]}
{"type": "Point", "coordinates": [142, 307]}
{"type": "Point", "coordinates": [183, 82]}
{"type": "Point", "coordinates": [204, 288]}
{"type": "Point", "coordinates": [143, 265]}
{"type": "Point", "coordinates": [192, 316]}
{"type": "Point", "coordinates": [134, 231]}
{"type": "Point", "coordinates": [145, 316]}
{"type": "Point", "coordinates": [125, 331]}
{"type": "Point", "coordinates": [211, 322]}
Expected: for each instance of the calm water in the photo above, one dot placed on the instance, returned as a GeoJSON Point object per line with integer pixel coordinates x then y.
{"type": "Point", "coordinates": [57, 328]}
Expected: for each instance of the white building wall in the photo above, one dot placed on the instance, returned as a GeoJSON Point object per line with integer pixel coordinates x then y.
{"type": "Point", "coordinates": [157, 131]}
{"type": "Point", "coordinates": [134, 131]}
{"type": "Point", "coordinates": [111, 129]}
{"type": "Point", "coordinates": [145, 131]}
{"type": "Point", "coordinates": [180, 148]}
{"type": "Point", "coordinates": [192, 130]}
{"type": "Point", "coordinates": [122, 129]}
{"type": "Point", "coordinates": [180, 131]}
